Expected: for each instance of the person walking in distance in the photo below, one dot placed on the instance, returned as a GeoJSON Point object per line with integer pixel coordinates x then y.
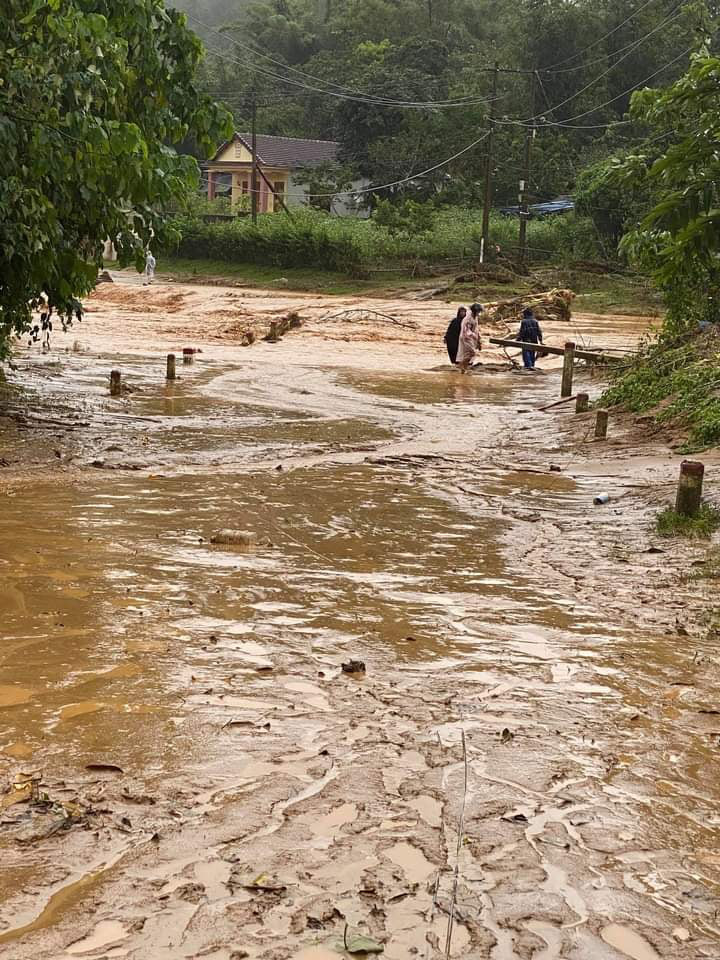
{"type": "Point", "coordinates": [150, 264]}
{"type": "Point", "coordinates": [530, 332]}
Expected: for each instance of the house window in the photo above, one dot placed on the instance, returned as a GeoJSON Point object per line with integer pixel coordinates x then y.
{"type": "Point", "coordinates": [238, 148]}
{"type": "Point", "coordinates": [246, 186]}
{"type": "Point", "coordinates": [279, 194]}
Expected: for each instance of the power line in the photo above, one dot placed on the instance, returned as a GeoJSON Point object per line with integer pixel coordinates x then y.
{"type": "Point", "coordinates": [395, 183]}
{"type": "Point", "coordinates": [568, 123]}
{"type": "Point", "coordinates": [592, 83]}
{"type": "Point", "coordinates": [600, 40]}
{"type": "Point", "coordinates": [350, 94]}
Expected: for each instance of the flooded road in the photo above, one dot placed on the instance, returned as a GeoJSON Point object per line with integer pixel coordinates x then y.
{"type": "Point", "coordinates": [532, 750]}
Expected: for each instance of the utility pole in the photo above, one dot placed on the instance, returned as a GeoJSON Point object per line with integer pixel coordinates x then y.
{"type": "Point", "coordinates": [254, 176]}
{"type": "Point", "coordinates": [489, 170]}
{"type": "Point", "coordinates": [525, 182]}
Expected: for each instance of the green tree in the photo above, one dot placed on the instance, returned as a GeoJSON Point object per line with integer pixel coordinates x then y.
{"type": "Point", "coordinates": [94, 94]}
{"type": "Point", "coordinates": [614, 204]}
{"type": "Point", "coordinates": [678, 242]}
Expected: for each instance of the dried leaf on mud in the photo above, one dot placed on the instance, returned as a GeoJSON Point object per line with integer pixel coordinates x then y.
{"type": "Point", "coordinates": [263, 883]}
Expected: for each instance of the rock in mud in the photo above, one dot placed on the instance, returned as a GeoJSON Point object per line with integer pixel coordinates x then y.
{"type": "Point", "coordinates": [234, 538]}
{"type": "Point", "coordinates": [354, 667]}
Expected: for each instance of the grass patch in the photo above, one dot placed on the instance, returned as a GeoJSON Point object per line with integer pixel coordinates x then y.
{"type": "Point", "coordinates": [676, 382]}
{"type": "Point", "coordinates": [669, 523]}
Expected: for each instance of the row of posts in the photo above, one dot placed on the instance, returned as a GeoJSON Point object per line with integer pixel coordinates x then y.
{"type": "Point", "coordinates": [170, 372]}
{"type": "Point", "coordinates": [692, 474]}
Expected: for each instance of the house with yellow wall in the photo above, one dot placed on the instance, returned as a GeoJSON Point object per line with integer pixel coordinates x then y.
{"type": "Point", "coordinates": [229, 172]}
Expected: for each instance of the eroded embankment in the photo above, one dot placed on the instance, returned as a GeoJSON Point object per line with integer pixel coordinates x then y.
{"type": "Point", "coordinates": [222, 789]}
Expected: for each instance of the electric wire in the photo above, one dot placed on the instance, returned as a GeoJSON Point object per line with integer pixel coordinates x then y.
{"type": "Point", "coordinates": [600, 40]}
{"type": "Point", "coordinates": [562, 123]}
{"type": "Point", "coordinates": [593, 82]}
{"type": "Point", "coordinates": [349, 94]}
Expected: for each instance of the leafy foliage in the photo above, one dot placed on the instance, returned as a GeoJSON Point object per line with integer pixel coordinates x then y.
{"type": "Point", "coordinates": [409, 218]}
{"type": "Point", "coordinates": [677, 242]}
{"type": "Point", "coordinates": [313, 239]}
{"type": "Point", "coordinates": [93, 96]}
{"type": "Point", "coordinates": [614, 204]}
{"type": "Point", "coordinates": [677, 381]}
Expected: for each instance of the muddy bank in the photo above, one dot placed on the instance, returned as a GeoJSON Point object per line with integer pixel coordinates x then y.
{"type": "Point", "coordinates": [539, 704]}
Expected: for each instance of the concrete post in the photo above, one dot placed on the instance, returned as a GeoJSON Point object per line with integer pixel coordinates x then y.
{"type": "Point", "coordinates": [170, 375]}
{"type": "Point", "coordinates": [115, 383]}
{"type": "Point", "coordinates": [601, 425]}
{"type": "Point", "coordinates": [568, 369]}
{"type": "Point", "coordinates": [582, 403]}
{"type": "Point", "coordinates": [690, 488]}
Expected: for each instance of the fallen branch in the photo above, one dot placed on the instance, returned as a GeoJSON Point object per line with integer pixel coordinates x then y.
{"type": "Point", "coordinates": [558, 403]}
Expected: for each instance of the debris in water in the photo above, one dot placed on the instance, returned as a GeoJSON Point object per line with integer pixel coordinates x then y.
{"type": "Point", "coordinates": [235, 538]}
{"type": "Point", "coordinates": [104, 767]}
{"type": "Point", "coordinates": [359, 944]}
{"type": "Point", "coordinates": [506, 736]}
{"type": "Point", "coordinates": [354, 667]}
{"type": "Point", "coordinates": [601, 499]}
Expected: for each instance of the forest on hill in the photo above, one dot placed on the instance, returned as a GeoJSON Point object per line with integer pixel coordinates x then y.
{"type": "Point", "coordinates": [406, 84]}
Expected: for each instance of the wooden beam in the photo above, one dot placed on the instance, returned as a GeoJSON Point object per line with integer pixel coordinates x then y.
{"type": "Point", "coordinates": [557, 351]}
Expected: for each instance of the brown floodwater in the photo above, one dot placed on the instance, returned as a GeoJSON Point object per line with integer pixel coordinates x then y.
{"type": "Point", "coordinates": [386, 514]}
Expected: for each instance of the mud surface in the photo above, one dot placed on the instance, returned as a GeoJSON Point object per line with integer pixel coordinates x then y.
{"type": "Point", "coordinates": [189, 772]}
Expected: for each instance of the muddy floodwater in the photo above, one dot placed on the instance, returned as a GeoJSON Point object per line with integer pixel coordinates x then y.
{"type": "Point", "coordinates": [527, 769]}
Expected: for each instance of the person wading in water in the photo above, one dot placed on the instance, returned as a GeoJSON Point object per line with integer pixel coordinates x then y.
{"type": "Point", "coordinates": [452, 335]}
{"type": "Point", "coordinates": [530, 332]}
{"type": "Point", "coordinates": [470, 344]}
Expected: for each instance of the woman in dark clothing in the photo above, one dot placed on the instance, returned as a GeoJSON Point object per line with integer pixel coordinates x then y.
{"type": "Point", "coordinates": [452, 334]}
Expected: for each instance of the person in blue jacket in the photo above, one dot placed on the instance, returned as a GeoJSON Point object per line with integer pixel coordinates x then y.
{"type": "Point", "coordinates": [530, 332]}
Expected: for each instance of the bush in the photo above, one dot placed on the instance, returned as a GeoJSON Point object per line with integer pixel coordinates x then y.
{"type": "Point", "coordinates": [346, 245]}
{"type": "Point", "coordinates": [677, 381]}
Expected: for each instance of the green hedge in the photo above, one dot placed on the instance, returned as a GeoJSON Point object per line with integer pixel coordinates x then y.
{"type": "Point", "coordinates": [345, 245]}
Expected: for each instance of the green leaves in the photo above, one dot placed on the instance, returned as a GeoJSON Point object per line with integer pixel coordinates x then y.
{"type": "Point", "coordinates": [679, 239]}
{"type": "Point", "coordinates": [87, 141]}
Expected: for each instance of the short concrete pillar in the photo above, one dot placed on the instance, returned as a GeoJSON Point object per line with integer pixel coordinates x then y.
{"type": "Point", "coordinates": [582, 403]}
{"type": "Point", "coordinates": [568, 370]}
{"type": "Point", "coordinates": [188, 354]}
{"type": "Point", "coordinates": [170, 375]}
{"type": "Point", "coordinates": [601, 424]}
{"type": "Point", "coordinates": [690, 488]}
{"type": "Point", "coordinates": [115, 383]}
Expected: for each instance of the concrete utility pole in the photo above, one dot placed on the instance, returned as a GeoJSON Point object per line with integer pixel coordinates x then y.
{"type": "Point", "coordinates": [525, 182]}
{"type": "Point", "coordinates": [254, 176]}
{"type": "Point", "coordinates": [489, 170]}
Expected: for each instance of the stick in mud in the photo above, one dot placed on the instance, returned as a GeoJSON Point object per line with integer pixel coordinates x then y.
{"type": "Point", "coordinates": [115, 383]}
{"type": "Point", "coordinates": [582, 404]}
{"type": "Point", "coordinates": [170, 375]}
{"type": "Point", "coordinates": [568, 369]}
{"type": "Point", "coordinates": [690, 488]}
{"type": "Point", "coordinates": [601, 425]}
